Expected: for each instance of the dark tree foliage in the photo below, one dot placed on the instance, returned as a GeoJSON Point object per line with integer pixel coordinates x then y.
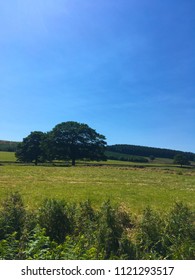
{"type": "Point", "coordinates": [125, 157]}
{"type": "Point", "coordinates": [181, 159]}
{"type": "Point", "coordinates": [148, 151]}
{"type": "Point", "coordinates": [8, 146]}
{"type": "Point", "coordinates": [30, 149]}
{"type": "Point", "coordinates": [67, 141]}
{"type": "Point", "coordinates": [72, 140]}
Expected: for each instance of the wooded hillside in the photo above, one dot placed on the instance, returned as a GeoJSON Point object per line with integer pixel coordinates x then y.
{"type": "Point", "coordinates": [129, 150]}
{"type": "Point", "coordinates": [9, 146]}
{"type": "Point", "coordinates": [148, 151]}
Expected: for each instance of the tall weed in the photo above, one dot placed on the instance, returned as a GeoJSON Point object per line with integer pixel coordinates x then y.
{"type": "Point", "coordinates": [12, 216]}
{"type": "Point", "coordinates": [78, 231]}
{"type": "Point", "coordinates": [52, 216]}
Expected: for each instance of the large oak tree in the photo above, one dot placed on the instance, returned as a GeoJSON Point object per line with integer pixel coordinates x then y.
{"type": "Point", "coordinates": [75, 141]}
{"type": "Point", "coordinates": [30, 149]}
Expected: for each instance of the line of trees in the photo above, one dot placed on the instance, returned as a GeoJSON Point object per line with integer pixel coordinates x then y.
{"type": "Point", "coordinates": [148, 151]}
{"type": "Point", "coordinates": [125, 157]}
{"type": "Point", "coordinates": [8, 146]}
{"type": "Point", "coordinates": [67, 141]}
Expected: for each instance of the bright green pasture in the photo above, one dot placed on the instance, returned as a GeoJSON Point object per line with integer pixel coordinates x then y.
{"type": "Point", "coordinates": [131, 187]}
{"type": "Point", "coordinates": [7, 156]}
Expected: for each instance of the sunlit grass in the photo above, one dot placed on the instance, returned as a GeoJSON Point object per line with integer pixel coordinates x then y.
{"type": "Point", "coordinates": [7, 156]}
{"type": "Point", "coordinates": [133, 187]}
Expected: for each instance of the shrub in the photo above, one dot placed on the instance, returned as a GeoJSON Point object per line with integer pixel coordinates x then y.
{"type": "Point", "coordinates": [38, 246]}
{"type": "Point", "coordinates": [180, 233]}
{"type": "Point", "coordinates": [169, 237]}
{"type": "Point", "coordinates": [109, 230]}
{"type": "Point", "coordinates": [85, 218]}
{"type": "Point", "coordinates": [61, 231]}
{"type": "Point", "coordinates": [12, 216]}
{"type": "Point", "coordinates": [9, 247]}
{"type": "Point", "coordinates": [149, 237]}
{"type": "Point", "coordinates": [52, 216]}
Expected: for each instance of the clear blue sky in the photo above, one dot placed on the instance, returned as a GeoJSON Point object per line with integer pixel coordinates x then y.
{"type": "Point", "coordinates": [126, 68]}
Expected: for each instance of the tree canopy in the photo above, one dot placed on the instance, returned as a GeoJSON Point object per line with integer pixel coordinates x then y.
{"type": "Point", "coordinates": [31, 150]}
{"type": "Point", "coordinates": [73, 140]}
{"type": "Point", "coordinates": [67, 141]}
{"type": "Point", "coordinates": [181, 159]}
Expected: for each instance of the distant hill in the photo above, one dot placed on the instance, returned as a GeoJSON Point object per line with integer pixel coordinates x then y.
{"type": "Point", "coordinates": [124, 151]}
{"type": "Point", "coordinates": [143, 151]}
{"type": "Point", "coordinates": [9, 146]}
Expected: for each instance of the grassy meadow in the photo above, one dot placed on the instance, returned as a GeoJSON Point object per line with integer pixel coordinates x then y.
{"type": "Point", "coordinates": [124, 184]}
{"type": "Point", "coordinates": [7, 157]}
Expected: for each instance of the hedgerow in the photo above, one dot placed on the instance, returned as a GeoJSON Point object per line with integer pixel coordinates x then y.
{"type": "Point", "coordinates": [58, 230]}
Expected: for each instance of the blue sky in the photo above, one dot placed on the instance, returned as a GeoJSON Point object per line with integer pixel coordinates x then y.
{"type": "Point", "coordinates": [126, 68]}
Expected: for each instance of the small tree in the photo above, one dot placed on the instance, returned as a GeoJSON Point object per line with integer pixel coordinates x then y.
{"type": "Point", "coordinates": [31, 150]}
{"type": "Point", "coordinates": [72, 140]}
{"type": "Point", "coordinates": [181, 159]}
{"type": "Point", "coordinates": [152, 157]}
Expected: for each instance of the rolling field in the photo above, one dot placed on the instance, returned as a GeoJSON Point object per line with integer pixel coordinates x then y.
{"type": "Point", "coordinates": [134, 188]}
{"type": "Point", "coordinates": [7, 157]}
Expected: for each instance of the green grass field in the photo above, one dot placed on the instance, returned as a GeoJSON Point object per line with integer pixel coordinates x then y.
{"type": "Point", "coordinates": [165, 233]}
{"type": "Point", "coordinates": [7, 156]}
{"type": "Point", "coordinates": [134, 188]}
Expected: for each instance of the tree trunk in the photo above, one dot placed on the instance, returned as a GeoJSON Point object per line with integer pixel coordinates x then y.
{"type": "Point", "coordinates": [73, 161]}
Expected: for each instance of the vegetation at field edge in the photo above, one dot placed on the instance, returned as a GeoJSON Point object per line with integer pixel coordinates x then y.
{"type": "Point", "coordinates": [59, 230]}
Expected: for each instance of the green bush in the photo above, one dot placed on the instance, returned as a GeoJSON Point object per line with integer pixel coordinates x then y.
{"type": "Point", "coordinates": [79, 232]}
{"type": "Point", "coordinates": [9, 247]}
{"type": "Point", "coordinates": [109, 231]}
{"type": "Point", "coordinates": [149, 236]}
{"type": "Point", "coordinates": [85, 218]}
{"type": "Point", "coordinates": [168, 237]}
{"type": "Point", "coordinates": [180, 233]}
{"type": "Point", "coordinates": [12, 216]}
{"type": "Point", "coordinates": [52, 216]}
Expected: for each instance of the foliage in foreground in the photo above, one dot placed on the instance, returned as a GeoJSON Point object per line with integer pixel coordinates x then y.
{"type": "Point", "coordinates": [59, 230]}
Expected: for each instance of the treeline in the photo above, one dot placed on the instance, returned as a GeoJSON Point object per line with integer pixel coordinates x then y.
{"type": "Point", "coordinates": [122, 152]}
{"type": "Point", "coordinates": [148, 151]}
{"type": "Point", "coordinates": [125, 157]}
{"type": "Point", "coordinates": [60, 230]}
{"type": "Point", "coordinates": [8, 146]}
